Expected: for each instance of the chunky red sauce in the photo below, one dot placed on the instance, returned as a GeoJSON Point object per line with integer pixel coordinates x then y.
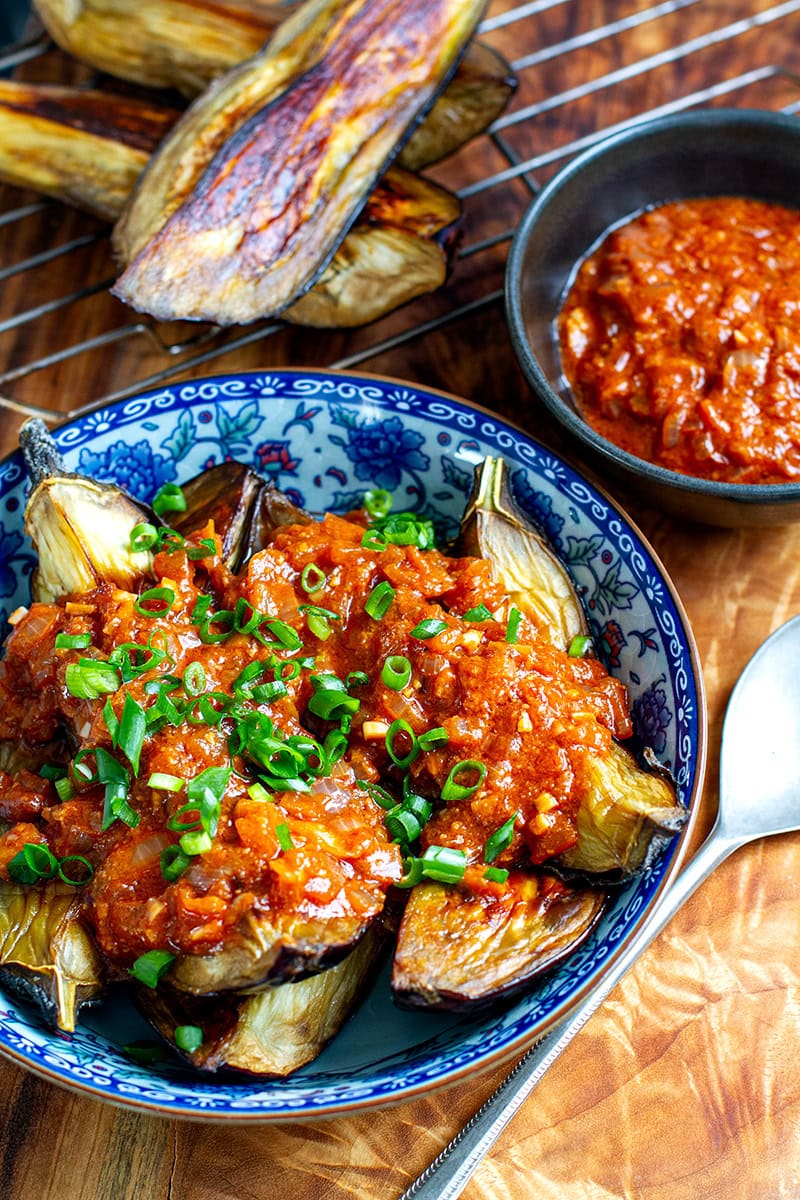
{"type": "Point", "coordinates": [527, 711]}
{"type": "Point", "coordinates": [681, 339]}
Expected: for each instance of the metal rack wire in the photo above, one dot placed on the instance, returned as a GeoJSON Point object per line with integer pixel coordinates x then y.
{"type": "Point", "coordinates": [520, 152]}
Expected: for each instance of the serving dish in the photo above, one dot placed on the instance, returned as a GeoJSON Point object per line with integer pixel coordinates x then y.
{"type": "Point", "coordinates": [323, 438]}
{"type": "Point", "coordinates": [713, 152]}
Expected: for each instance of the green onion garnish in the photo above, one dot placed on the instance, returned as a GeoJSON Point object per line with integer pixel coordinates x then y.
{"type": "Point", "coordinates": [194, 679]}
{"type": "Point", "coordinates": [111, 720]}
{"type": "Point", "coordinates": [312, 579]}
{"type": "Point", "coordinates": [225, 618]}
{"type": "Point", "coordinates": [428, 628]}
{"type": "Point", "coordinates": [377, 793]}
{"type": "Point", "coordinates": [453, 790]}
{"type": "Point", "coordinates": [479, 613]}
{"type": "Point", "coordinates": [580, 646]}
{"type": "Point", "coordinates": [131, 732]}
{"type": "Point", "coordinates": [169, 498]}
{"type": "Point", "coordinates": [201, 609]}
{"type": "Point", "coordinates": [501, 839]}
{"type": "Point", "coordinates": [377, 502]}
{"type": "Point", "coordinates": [205, 548]}
{"type": "Point", "coordinates": [258, 792]}
{"type": "Point", "coordinates": [265, 693]}
{"type": "Point", "coordinates": [85, 874]}
{"type": "Point", "coordinates": [52, 771]}
{"type": "Point", "coordinates": [284, 836]}
{"type": "Point", "coordinates": [397, 729]}
{"type": "Point", "coordinates": [402, 826]}
{"type": "Point", "coordinates": [143, 537]}
{"type": "Point", "coordinates": [169, 540]}
{"type": "Point", "coordinates": [396, 672]}
{"type": "Point", "coordinates": [379, 601]}
{"type": "Point", "coordinates": [32, 864]}
{"type": "Point", "coordinates": [246, 618]}
{"type": "Point", "coordinates": [318, 620]}
{"type": "Point", "coordinates": [287, 636]}
{"type": "Point", "coordinates": [73, 641]}
{"type": "Point", "coordinates": [188, 1038]}
{"type": "Point", "coordinates": [146, 1053]}
{"type": "Point", "coordinates": [442, 863]}
{"type": "Point", "coordinates": [64, 789]}
{"type": "Point", "coordinates": [155, 602]}
{"type": "Point", "coordinates": [356, 679]}
{"type": "Point", "coordinates": [496, 874]}
{"type": "Point", "coordinates": [164, 782]}
{"type": "Point", "coordinates": [432, 738]}
{"type": "Point", "coordinates": [405, 529]}
{"type": "Point", "coordinates": [373, 539]}
{"type": "Point", "coordinates": [512, 626]}
{"type": "Point", "coordinates": [173, 863]}
{"type": "Point", "coordinates": [197, 841]}
{"type": "Point", "coordinates": [91, 678]}
{"type": "Point", "coordinates": [151, 967]}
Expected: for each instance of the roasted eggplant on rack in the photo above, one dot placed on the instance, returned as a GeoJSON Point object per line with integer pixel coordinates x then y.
{"type": "Point", "coordinates": [266, 957]}
{"type": "Point", "coordinates": [186, 44]}
{"type": "Point", "coordinates": [246, 201]}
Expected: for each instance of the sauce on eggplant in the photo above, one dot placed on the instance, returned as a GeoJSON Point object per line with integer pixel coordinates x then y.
{"type": "Point", "coordinates": [680, 339]}
{"type": "Point", "coordinates": [525, 710]}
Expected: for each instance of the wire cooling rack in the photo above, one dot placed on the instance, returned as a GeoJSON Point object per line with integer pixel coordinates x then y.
{"type": "Point", "coordinates": [586, 68]}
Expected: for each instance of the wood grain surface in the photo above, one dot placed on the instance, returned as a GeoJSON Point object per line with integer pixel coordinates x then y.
{"type": "Point", "coordinates": [687, 1082]}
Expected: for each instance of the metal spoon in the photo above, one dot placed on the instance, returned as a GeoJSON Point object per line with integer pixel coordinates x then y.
{"type": "Point", "coordinates": [758, 796]}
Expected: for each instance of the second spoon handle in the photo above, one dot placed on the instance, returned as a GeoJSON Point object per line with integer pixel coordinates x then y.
{"type": "Point", "coordinates": [454, 1166]}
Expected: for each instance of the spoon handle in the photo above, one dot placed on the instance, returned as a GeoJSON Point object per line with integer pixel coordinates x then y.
{"type": "Point", "coordinates": [453, 1167]}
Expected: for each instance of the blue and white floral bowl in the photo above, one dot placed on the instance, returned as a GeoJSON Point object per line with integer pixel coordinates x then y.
{"type": "Point", "coordinates": [323, 438]}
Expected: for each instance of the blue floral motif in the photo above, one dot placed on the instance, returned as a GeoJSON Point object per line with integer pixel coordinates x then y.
{"type": "Point", "coordinates": [135, 467]}
{"type": "Point", "coordinates": [9, 545]}
{"type": "Point", "coordinates": [652, 716]}
{"type": "Point", "coordinates": [539, 506]}
{"type": "Point", "coordinates": [381, 451]}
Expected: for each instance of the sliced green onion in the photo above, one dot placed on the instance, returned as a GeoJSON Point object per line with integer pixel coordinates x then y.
{"type": "Point", "coordinates": [213, 706]}
{"type": "Point", "coordinates": [413, 873]}
{"type": "Point", "coordinates": [420, 806]}
{"type": "Point", "coordinates": [32, 864]}
{"type": "Point", "coordinates": [312, 579]}
{"type": "Point", "coordinates": [169, 540]}
{"type": "Point", "coordinates": [287, 636]}
{"type": "Point", "coordinates": [428, 628]}
{"type": "Point", "coordinates": [246, 618]}
{"type": "Point", "coordinates": [396, 672]}
{"type": "Point", "coordinates": [373, 539]}
{"type": "Point", "coordinates": [133, 660]}
{"type": "Point", "coordinates": [151, 967]}
{"type": "Point", "coordinates": [496, 874]}
{"type": "Point", "coordinates": [453, 790]}
{"type": "Point", "coordinates": [225, 618]}
{"type": "Point", "coordinates": [146, 1053]}
{"type": "Point", "coordinates": [131, 732]}
{"type": "Point", "coordinates": [377, 502]}
{"type": "Point", "coordinates": [356, 679]}
{"type": "Point", "coordinates": [67, 876]}
{"type": "Point", "coordinates": [168, 498]}
{"type": "Point", "coordinates": [479, 613]}
{"type": "Point", "coordinates": [258, 792]}
{"type": "Point", "coordinates": [73, 641]}
{"type": "Point", "coordinates": [406, 529]}
{"type": "Point", "coordinates": [164, 782]}
{"type": "Point", "coordinates": [377, 793]}
{"type": "Point", "coordinates": [155, 602]}
{"type": "Point", "coordinates": [284, 836]}
{"type": "Point", "coordinates": [164, 710]}
{"type": "Point", "coordinates": [173, 863]}
{"type": "Point", "coordinates": [197, 841]}
{"type": "Point", "coordinates": [205, 548]}
{"type": "Point", "coordinates": [194, 679]}
{"type": "Point", "coordinates": [444, 864]}
{"type": "Point", "coordinates": [251, 672]}
{"type": "Point", "coordinates": [143, 537]}
{"type": "Point", "coordinates": [513, 624]}
{"type": "Point", "coordinates": [91, 678]}
{"type": "Point", "coordinates": [117, 808]}
{"type": "Point", "coordinates": [265, 693]}
{"type": "Point", "coordinates": [64, 789]}
{"type": "Point", "coordinates": [501, 839]}
{"type": "Point", "coordinates": [52, 771]}
{"type": "Point", "coordinates": [379, 601]}
{"type": "Point", "coordinates": [580, 646]}
{"type": "Point", "coordinates": [188, 1038]}
{"type": "Point", "coordinates": [432, 738]}
{"type": "Point", "coordinates": [397, 729]}
{"type": "Point", "coordinates": [318, 620]}
{"type": "Point", "coordinates": [201, 609]}
{"type": "Point", "coordinates": [111, 720]}
{"type": "Point", "coordinates": [334, 747]}
{"type": "Point", "coordinates": [402, 825]}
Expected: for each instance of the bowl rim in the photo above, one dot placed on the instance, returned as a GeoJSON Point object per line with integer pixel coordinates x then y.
{"type": "Point", "coordinates": [745, 494]}
{"type": "Point", "coordinates": [561, 1011]}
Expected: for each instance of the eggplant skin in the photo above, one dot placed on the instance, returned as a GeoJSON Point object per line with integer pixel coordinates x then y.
{"type": "Point", "coordinates": [47, 956]}
{"type": "Point", "coordinates": [276, 1031]}
{"type": "Point", "coordinates": [245, 243]}
{"type": "Point", "coordinates": [464, 952]}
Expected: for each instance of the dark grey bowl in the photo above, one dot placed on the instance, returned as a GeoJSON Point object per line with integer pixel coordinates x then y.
{"type": "Point", "coordinates": [713, 152]}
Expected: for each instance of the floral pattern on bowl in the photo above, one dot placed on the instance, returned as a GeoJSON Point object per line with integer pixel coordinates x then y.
{"type": "Point", "coordinates": [323, 438]}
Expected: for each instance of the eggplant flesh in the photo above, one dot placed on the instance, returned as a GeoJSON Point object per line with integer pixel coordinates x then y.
{"type": "Point", "coordinates": [242, 246]}
{"type": "Point", "coordinates": [276, 1031]}
{"type": "Point", "coordinates": [47, 956]}
{"type": "Point", "coordinates": [185, 45]}
{"type": "Point", "coordinates": [626, 817]}
{"type": "Point", "coordinates": [494, 527]}
{"type": "Point", "coordinates": [466, 951]}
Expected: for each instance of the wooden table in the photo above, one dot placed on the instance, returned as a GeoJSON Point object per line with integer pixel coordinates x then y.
{"type": "Point", "coordinates": [687, 1081]}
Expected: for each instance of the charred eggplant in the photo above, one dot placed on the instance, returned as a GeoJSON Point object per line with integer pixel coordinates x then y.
{"type": "Point", "coordinates": [239, 247]}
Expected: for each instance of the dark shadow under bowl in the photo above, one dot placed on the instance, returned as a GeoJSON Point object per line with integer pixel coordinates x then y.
{"type": "Point", "coordinates": [713, 152]}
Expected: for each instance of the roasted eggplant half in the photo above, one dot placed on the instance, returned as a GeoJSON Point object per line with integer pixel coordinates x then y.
{"type": "Point", "coordinates": [494, 527]}
{"type": "Point", "coordinates": [275, 1032]}
{"type": "Point", "coordinates": [81, 529]}
{"type": "Point", "coordinates": [186, 44]}
{"type": "Point", "coordinates": [246, 242]}
{"type": "Point", "coordinates": [88, 148]}
{"type": "Point", "coordinates": [47, 955]}
{"type": "Point", "coordinates": [466, 951]}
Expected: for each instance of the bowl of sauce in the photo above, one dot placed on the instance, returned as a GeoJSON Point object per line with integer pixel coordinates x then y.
{"type": "Point", "coordinates": [653, 300]}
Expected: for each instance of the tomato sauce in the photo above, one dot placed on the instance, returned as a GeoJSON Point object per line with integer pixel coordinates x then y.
{"type": "Point", "coordinates": [525, 710]}
{"type": "Point", "coordinates": [680, 339]}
